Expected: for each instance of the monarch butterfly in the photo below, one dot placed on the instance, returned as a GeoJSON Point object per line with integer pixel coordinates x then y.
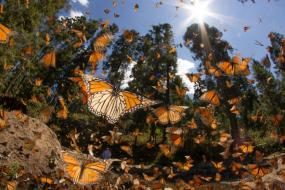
{"type": "Point", "coordinates": [113, 138]}
{"type": "Point", "coordinates": [46, 180]}
{"type": "Point", "coordinates": [1, 8]}
{"type": "Point", "coordinates": [160, 87]}
{"type": "Point", "coordinates": [105, 24]}
{"type": "Point", "coordinates": [165, 149]}
{"type": "Point", "coordinates": [95, 57]}
{"type": "Point", "coordinates": [276, 119]}
{"type": "Point", "coordinates": [4, 33]}
{"type": "Point", "coordinates": [128, 36]}
{"type": "Point", "coordinates": [266, 61]}
{"type": "Point", "coordinates": [235, 110]}
{"type": "Point", "coordinates": [84, 173]}
{"type": "Point", "coordinates": [102, 41]}
{"type": "Point", "coordinates": [136, 7]}
{"type": "Point", "coordinates": [224, 137]}
{"type": "Point", "coordinates": [171, 50]}
{"type": "Point", "coordinates": [63, 113]}
{"type": "Point", "coordinates": [49, 59]}
{"type": "Point", "coordinates": [214, 71]}
{"type": "Point", "coordinates": [173, 114]}
{"type": "Point", "coordinates": [193, 77]}
{"type": "Point", "coordinates": [183, 166]}
{"type": "Point", "coordinates": [206, 115]}
{"type": "Point", "coordinates": [219, 166]}
{"type": "Point", "coordinates": [229, 84]}
{"type": "Point", "coordinates": [2, 123]}
{"type": "Point", "coordinates": [157, 55]}
{"type": "Point", "coordinates": [211, 97]}
{"type": "Point", "coordinates": [235, 167]}
{"type": "Point", "coordinates": [192, 124]}
{"type": "Point", "coordinates": [228, 68]}
{"type": "Point", "coordinates": [246, 148]}
{"type": "Point", "coordinates": [199, 139]}
{"type": "Point", "coordinates": [107, 11]}
{"type": "Point", "coordinates": [235, 67]}
{"type": "Point", "coordinates": [235, 101]}
{"type": "Point", "coordinates": [127, 149]}
{"type": "Point", "coordinates": [257, 171]}
{"type": "Point", "coordinates": [106, 101]}
{"type": "Point", "coordinates": [175, 135]}
{"type": "Point", "coordinates": [11, 185]}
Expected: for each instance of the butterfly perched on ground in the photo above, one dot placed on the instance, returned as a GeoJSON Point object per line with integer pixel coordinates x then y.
{"type": "Point", "coordinates": [11, 185]}
{"type": "Point", "coordinates": [111, 103]}
{"type": "Point", "coordinates": [84, 173]}
{"type": "Point", "coordinates": [257, 170]}
{"type": "Point", "coordinates": [4, 33]}
{"type": "Point", "coordinates": [172, 114]}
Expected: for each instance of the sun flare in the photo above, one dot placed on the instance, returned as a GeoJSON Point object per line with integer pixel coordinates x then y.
{"type": "Point", "coordinates": [199, 11]}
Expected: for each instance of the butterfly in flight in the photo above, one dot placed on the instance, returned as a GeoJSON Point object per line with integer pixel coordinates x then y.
{"type": "Point", "coordinates": [173, 114]}
{"type": "Point", "coordinates": [106, 101]}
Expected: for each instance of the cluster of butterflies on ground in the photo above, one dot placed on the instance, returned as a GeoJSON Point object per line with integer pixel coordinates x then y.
{"type": "Point", "coordinates": [88, 171]}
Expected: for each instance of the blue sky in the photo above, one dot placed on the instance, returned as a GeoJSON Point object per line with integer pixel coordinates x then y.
{"type": "Point", "coordinates": [233, 16]}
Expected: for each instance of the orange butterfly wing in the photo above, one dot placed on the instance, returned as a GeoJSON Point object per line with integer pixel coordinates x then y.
{"type": "Point", "coordinates": [49, 59]}
{"type": "Point", "coordinates": [258, 171]}
{"type": "Point", "coordinates": [162, 115]}
{"type": "Point", "coordinates": [176, 113]}
{"type": "Point", "coordinates": [133, 101]}
{"type": "Point", "coordinates": [173, 114]}
{"type": "Point", "coordinates": [95, 57]}
{"type": "Point", "coordinates": [211, 97]}
{"type": "Point", "coordinates": [11, 185]}
{"type": "Point", "coordinates": [194, 77]}
{"type": "Point", "coordinates": [227, 67]}
{"type": "Point", "coordinates": [102, 41]}
{"type": "Point", "coordinates": [99, 86]}
{"type": "Point", "coordinates": [92, 173]}
{"type": "Point", "coordinates": [4, 33]}
{"type": "Point", "coordinates": [72, 167]}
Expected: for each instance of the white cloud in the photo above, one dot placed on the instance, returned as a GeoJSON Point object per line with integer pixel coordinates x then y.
{"type": "Point", "coordinates": [75, 13]}
{"type": "Point", "coordinates": [128, 75]}
{"type": "Point", "coordinates": [183, 67]}
{"type": "Point", "coordinates": [82, 2]}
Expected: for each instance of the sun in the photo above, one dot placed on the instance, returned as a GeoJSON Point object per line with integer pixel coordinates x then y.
{"type": "Point", "coordinates": [199, 11]}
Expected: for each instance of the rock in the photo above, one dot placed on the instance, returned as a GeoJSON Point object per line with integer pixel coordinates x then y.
{"type": "Point", "coordinates": [30, 144]}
